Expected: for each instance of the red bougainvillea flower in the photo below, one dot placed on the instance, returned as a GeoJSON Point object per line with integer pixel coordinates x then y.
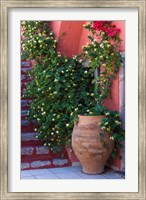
{"type": "Point", "coordinates": [107, 27]}
{"type": "Point", "coordinates": [98, 25]}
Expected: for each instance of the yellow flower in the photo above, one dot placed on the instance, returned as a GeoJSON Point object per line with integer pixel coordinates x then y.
{"type": "Point", "coordinates": [117, 122]}
{"type": "Point", "coordinates": [112, 138]}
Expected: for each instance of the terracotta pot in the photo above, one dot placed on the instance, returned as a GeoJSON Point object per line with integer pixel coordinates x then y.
{"type": "Point", "coordinates": [87, 145]}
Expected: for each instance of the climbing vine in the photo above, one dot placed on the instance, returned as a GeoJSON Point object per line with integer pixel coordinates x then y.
{"type": "Point", "coordinates": [61, 87]}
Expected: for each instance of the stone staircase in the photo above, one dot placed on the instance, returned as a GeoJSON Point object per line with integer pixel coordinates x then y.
{"type": "Point", "coordinates": [33, 154]}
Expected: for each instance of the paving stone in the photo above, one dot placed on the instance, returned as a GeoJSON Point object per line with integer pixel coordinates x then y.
{"type": "Point", "coordinates": [60, 170]}
{"type": "Point", "coordinates": [27, 150]}
{"type": "Point", "coordinates": [112, 175]}
{"type": "Point", "coordinates": [25, 64]}
{"type": "Point", "coordinates": [42, 150]}
{"type": "Point", "coordinates": [47, 176]}
{"type": "Point", "coordinates": [25, 122]}
{"type": "Point", "coordinates": [25, 173]}
{"type": "Point", "coordinates": [60, 162]}
{"type": "Point", "coordinates": [37, 172]}
{"type": "Point", "coordinates": [69, 175]}
{"type": "Point", "coordinates": [25, 165]}
{"type": "Point", "coordinates": [29, 136]}
{"type": "Point", "coordinates": [39, 163]}
{"type": "Point", "coordinates": [76, 168]}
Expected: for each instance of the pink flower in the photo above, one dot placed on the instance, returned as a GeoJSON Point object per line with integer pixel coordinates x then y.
{"type": "Point", "coordinates": [106, 26]}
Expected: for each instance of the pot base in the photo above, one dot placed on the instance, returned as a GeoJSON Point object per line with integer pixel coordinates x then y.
{"type": "Point", "coordinates": [93, 172]}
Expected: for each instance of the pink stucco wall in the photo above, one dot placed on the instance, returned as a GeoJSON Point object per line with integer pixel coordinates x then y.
{"type": "Point", "coordinates": [68, 34]}
{"type": "Point", "coordinates": [55, 26]}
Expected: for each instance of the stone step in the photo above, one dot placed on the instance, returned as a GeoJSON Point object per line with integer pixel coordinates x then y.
{"type": "Point", "coordinates": [35, 150]}
{"type": "Point", "coordinates": [24, 113]}
{"type": "Point", "coordinates": [29, 139]}
{"type": "Point", "coordinates": [25, 64]}
{"type": "Point", "coordinates": [26, 122]}
{"type": "Point", "coordinates": [23, 86]}
{"type": "Point", "coordinates": [25, 78]}
{"type": "Point", "coordinates": [27, 126]}
{"type": "Point", "coordinates": [25, 70]}
{"type": "Point", "coordinates": [29, 136]}
{"type": "Point", "coordinates": [25, 103]}
{"type": "Point", "coordinates": [31, 143]}
{"type": "Point", "coordinates": [39, 164]}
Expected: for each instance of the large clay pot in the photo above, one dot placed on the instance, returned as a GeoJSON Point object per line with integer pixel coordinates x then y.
{"type": "Point", "coordinates": [87, 145]}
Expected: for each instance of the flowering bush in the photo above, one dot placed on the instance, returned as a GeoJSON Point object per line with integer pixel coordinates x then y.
{"type": "Point", "coordinates": [103, 56]}
{"type": "Point", "coordinates": [62, 88]}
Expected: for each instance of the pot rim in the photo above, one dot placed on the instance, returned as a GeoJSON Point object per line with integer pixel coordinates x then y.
{"type": "Point", "coordinates": [91, 115]}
